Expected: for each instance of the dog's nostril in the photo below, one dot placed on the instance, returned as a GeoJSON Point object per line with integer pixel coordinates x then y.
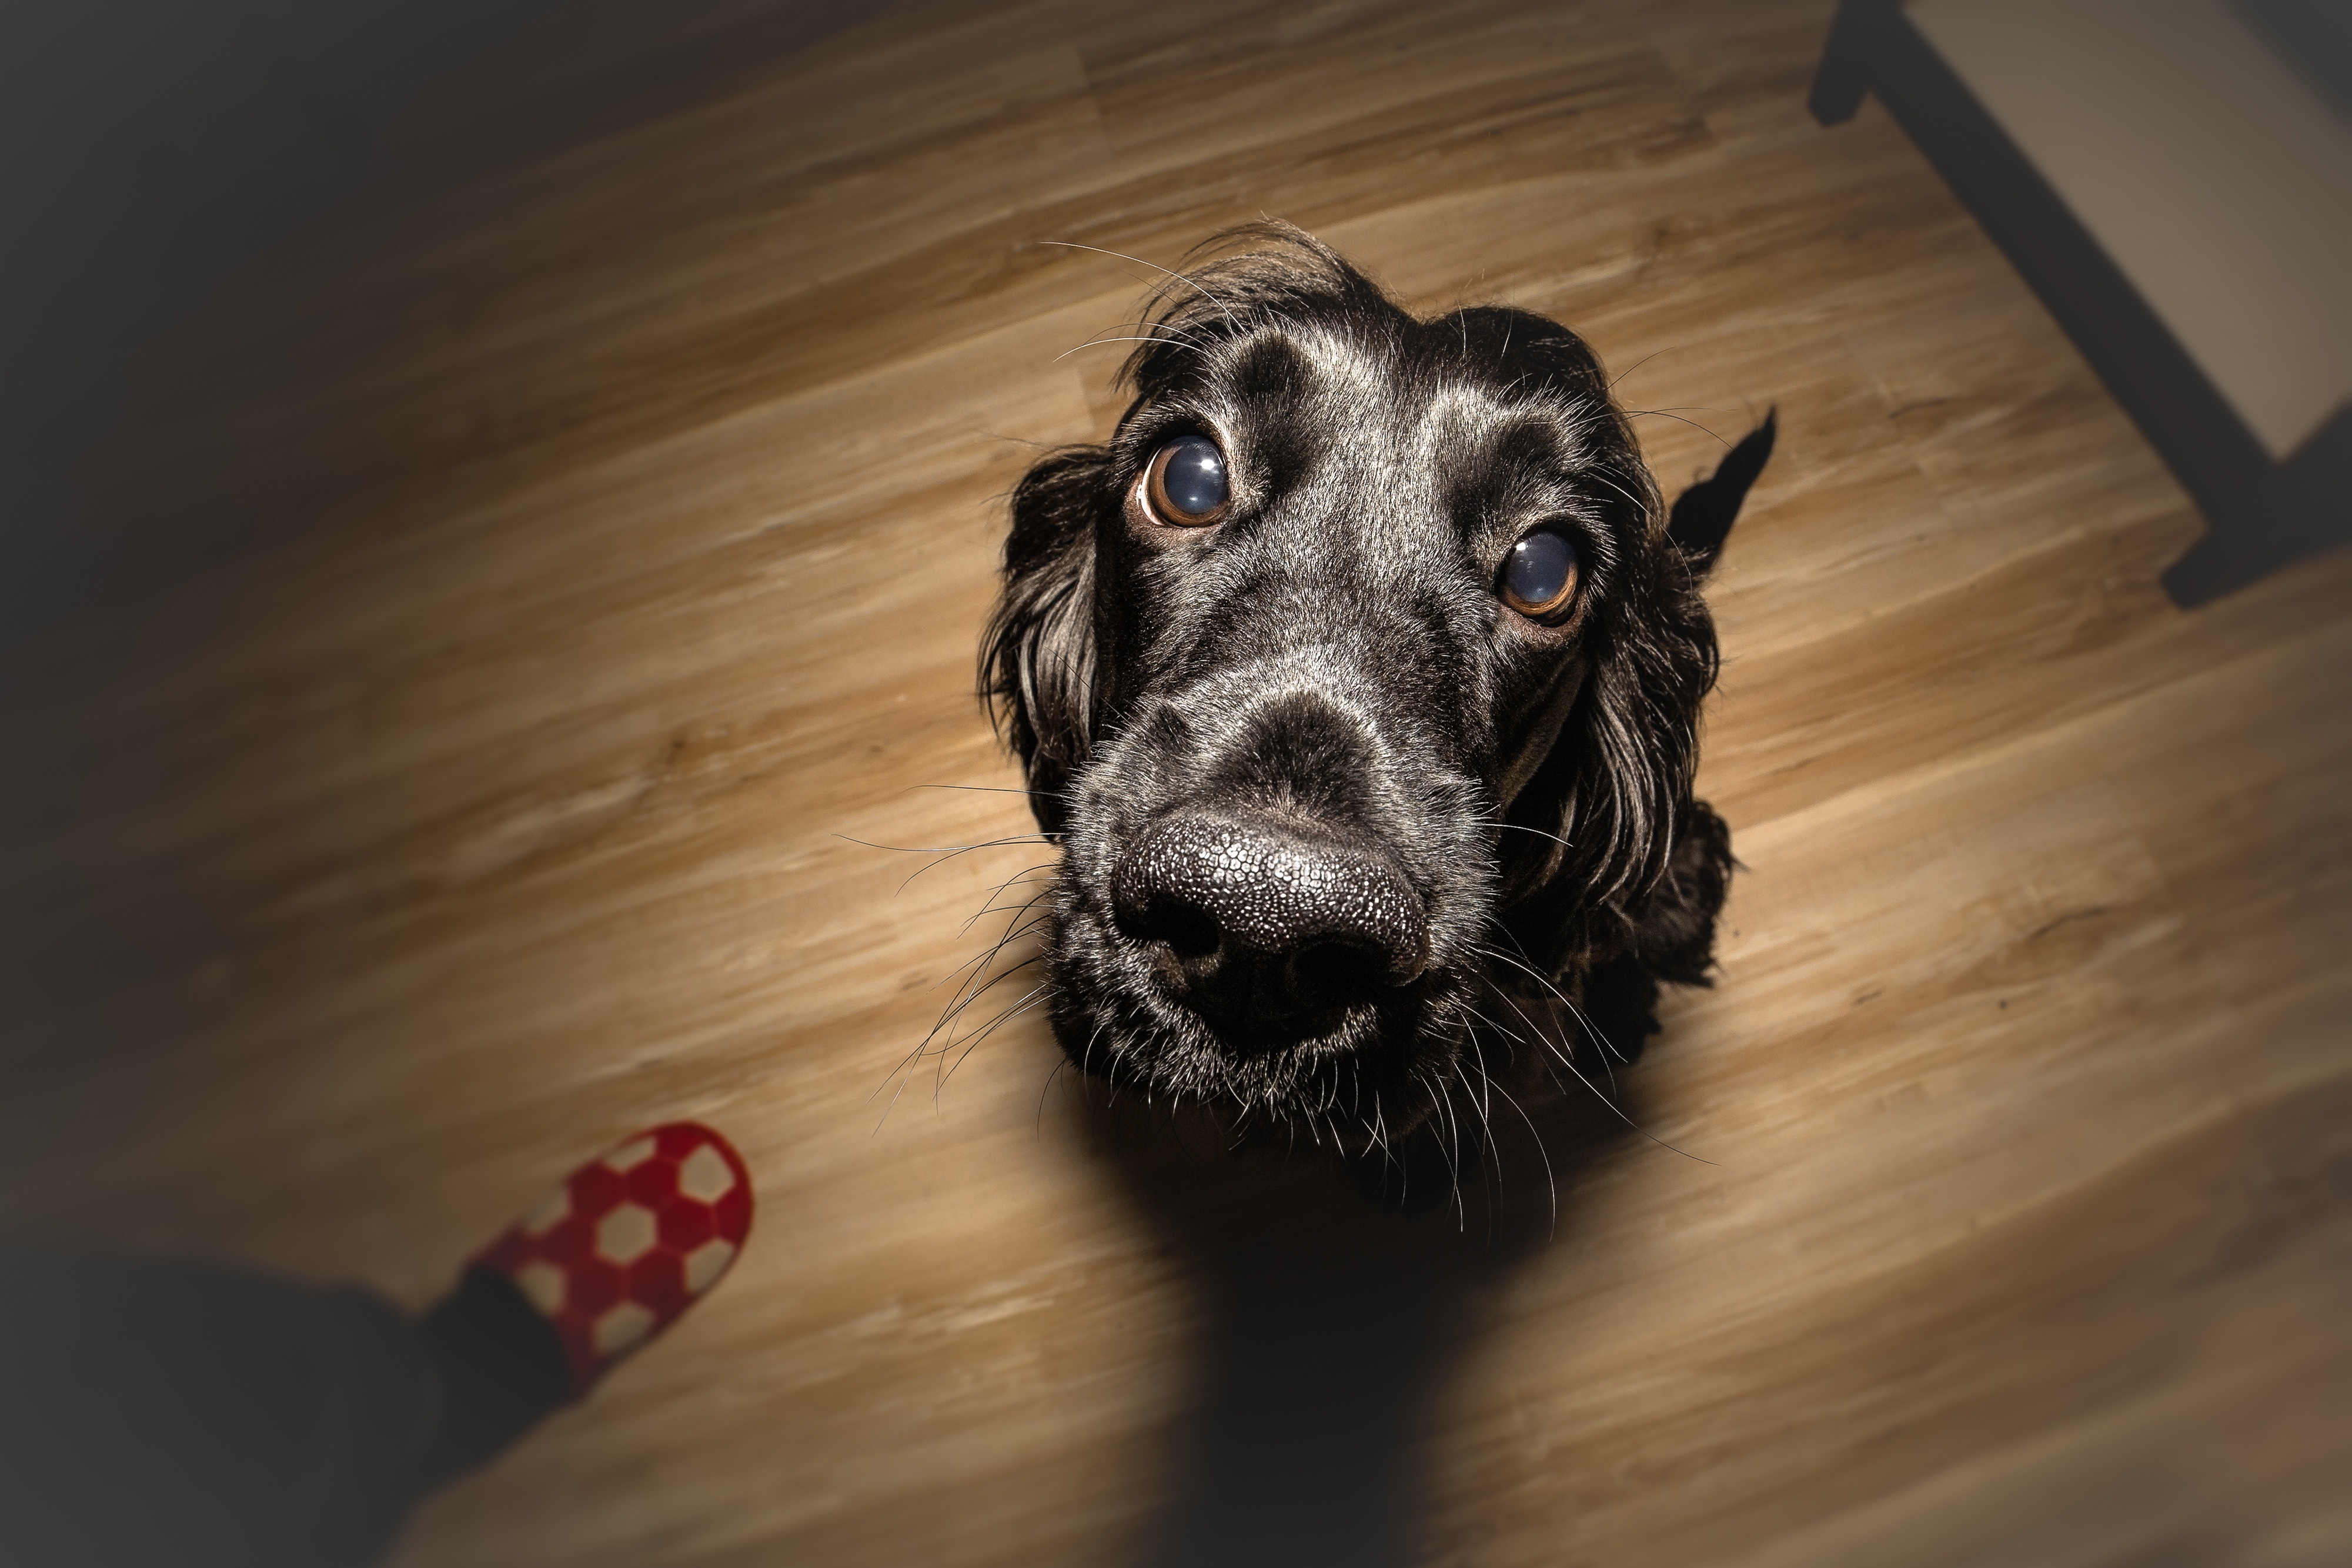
{"type": "Point", "coordinates": [1190, 933]}
{"type": "Point", "coordinates": [1264, 924]}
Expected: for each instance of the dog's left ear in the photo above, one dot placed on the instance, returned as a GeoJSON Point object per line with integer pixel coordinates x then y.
{"type": "Point", "coordinates": [1037, 664]}
{"type": "Point", "coordinates": [1704, 514]}
{"type": "Point", "coordinates": [1614, 794]}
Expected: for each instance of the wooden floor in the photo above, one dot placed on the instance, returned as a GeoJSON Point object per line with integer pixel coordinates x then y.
{"type": "Point", "coordinates": [606, 505]}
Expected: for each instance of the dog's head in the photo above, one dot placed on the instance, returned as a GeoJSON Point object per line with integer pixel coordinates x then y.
{"type": "Point", "coordinates": [1357, 676]}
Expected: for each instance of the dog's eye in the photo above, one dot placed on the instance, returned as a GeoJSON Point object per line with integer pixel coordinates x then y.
{"type": "Point", "coordinates": [1539, 574]}
{"type": "Point", "coordinates": [1186, 482]}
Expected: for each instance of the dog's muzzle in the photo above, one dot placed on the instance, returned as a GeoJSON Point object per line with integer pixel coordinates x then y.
{"type": "Point", "coordinates": [1271, 934]}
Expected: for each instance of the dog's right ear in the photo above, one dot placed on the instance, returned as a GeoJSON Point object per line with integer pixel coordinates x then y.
{"type": "Point", "coordinates": [1037, 658]}
{"type": "Point", "coordinates": [1704, 514]}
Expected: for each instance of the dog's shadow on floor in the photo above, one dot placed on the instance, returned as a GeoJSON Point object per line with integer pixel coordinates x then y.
{"type": "Point", "coordinates": [1331, 1316]}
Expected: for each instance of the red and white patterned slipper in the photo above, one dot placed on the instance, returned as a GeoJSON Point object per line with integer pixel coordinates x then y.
{"type": "Point", "coordinates": [617, 1253]}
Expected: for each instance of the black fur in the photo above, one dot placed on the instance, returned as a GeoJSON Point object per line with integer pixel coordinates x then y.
{"type": "Point", "coordinates": [1328, 679]}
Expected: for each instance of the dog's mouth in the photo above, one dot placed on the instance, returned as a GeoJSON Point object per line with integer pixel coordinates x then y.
{"type": "Point", "coordinates": [1281, 970]}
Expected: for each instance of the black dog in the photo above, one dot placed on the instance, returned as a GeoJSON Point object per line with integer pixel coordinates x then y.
{"type": "Point", "coordinates": [1358, 677]}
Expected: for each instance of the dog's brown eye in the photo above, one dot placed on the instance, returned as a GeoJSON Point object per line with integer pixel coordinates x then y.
{"type": "Point", "coordinates": [1186, 482]}
{"type": "Point", "coordinates": [1540, 575]}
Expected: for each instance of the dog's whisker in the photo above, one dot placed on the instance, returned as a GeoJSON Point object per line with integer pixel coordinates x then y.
{"type": "Point", "coordinates": [1485, 1102]}
{"type": "Point", "coordinates": [939, 1085]}
{"type": "Point", "coordinates": [1637, 364]}
{"type": "Point", "coordinates": [973, 986]}
{"type": "Point", "coordinates": [1445, 1099]}
{"type": "Point", "coordinates": [1145, 330]}
{"type": "Point", "coordinates": [1453, 1121]}
{"type": "Point", "coordinates": [1485, 1107]}
{"type": "Point", "coordinates": [944, 1029]}
{"type": "Point", "coordinates": [1039, 877]}
{"type": "Point", "coordinates": [1551, 1184]}
{"type": "Point", "coordinates": [1147, 322]}
{"type": "Point", "coordinates": [954, 1005]}
{"type": "Point", "coordinates": [994, 908]}
{"type": "Point", "coordinates": [980, 788]}
{"type": "Point", "coordinates": [905, 1074]}
{"type": "Point", "coordinates": [955, 854]}
{"type": "Point", "coordinates": [1189, 283]}
{"type": "Point", "coordinates": [1437, 1119]}
{"type": "Point", "coordinates": [1601, 1049]}
{"type": "Point", "coordinates": [1029, 876]}
{"type": "Point", "coordinates": [1670, 414]}
{"type": "Point", "coordinates": [972, 991]}
{"type": "Point", "coordinates": [1014, 928]}
{"type": "Point", "coordinates": [1506, 1031]}
{"type": "Point", "coordinates": [1021, 875]}
{"type": "Point", "coordinates": [1175, 331]}
{"type": "Point", "coordinates": [1564, 1052]}
{"type": "Point", "coordinates": [947, 849]}
{"type": "Point", "coordinates": [1517, 828]}
{"type": "Point", "coordinates": [1522, 966]}
{"type": "Point", "coordinates": [1630, 499]}
{"type": "Point", "coordinates": [1099, 342]}
{"type": "Point", "coordinates": [975, 1038]}
{"type": "Point", "coordinates": [1022, 878]}
{"type": "Point", "coordinates": [1615, 1108]}
{"type": "Point", "coordinates": [964, 1001]}
{"type": "Point", "coordinates": [904, 1079]}
{"type": "Point", "coordinates": [1599, 1042]}
{"type": "Point", "coordinates": [1118, 1079]}
{"type": "Point", "coordinates": [1556, 1051]}
{"type": "Point", "coordinates": [1039, 1130]}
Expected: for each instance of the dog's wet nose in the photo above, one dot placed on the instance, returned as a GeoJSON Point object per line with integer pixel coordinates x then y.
{"type": "Point", "coordinates": [1262, 929]}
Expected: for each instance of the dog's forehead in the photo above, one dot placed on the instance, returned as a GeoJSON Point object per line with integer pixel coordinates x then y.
{"type": "Point", "coordinates": [1406, 414]}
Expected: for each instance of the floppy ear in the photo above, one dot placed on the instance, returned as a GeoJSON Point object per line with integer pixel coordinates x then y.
{"type": "Point", "coordinates": [1704, 514]}
{"type": "Point", "coordinates": [1037, 656]}
{"type": "Point", "coordinates": [1614, 798]}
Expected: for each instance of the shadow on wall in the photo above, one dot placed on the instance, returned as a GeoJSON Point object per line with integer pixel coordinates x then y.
{"type": "Point", "coordinates": [1331, 1316]}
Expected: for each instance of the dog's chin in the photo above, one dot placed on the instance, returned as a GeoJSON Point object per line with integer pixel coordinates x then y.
{"type": "Point", "coordinates": [1357, 1078]}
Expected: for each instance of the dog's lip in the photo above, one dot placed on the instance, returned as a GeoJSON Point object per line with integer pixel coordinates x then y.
{"type": "Point", "coordinates": [1158, 1042]}
{"type": "Point", "coordinates": [1152, 969]}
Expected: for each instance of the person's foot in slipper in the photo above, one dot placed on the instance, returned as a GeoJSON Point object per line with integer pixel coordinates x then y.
{"type": "Point", "coordinates": [602, 1265]}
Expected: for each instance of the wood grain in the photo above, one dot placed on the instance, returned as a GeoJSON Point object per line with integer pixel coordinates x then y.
{"type": "Point", "coordinates": [603, 506]}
